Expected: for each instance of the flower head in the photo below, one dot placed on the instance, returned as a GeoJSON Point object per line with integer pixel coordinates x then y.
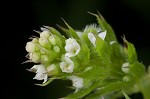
{"type": "Point", "coordinates": [67, 66]}
{"type": "Point", "coordinates": [72, 47]}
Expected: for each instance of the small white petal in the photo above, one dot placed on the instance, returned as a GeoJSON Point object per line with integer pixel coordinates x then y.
{"type": "Point", "coordinates": [35, 67]}
{"type": "Point", "coordinates": [44, 29]}
{"type": "Point", "coordinates": [102, 35]}
{"type": "Point", "coordinates": [77, 81]}
{"type": "Point", "coordinates": [92, 38]}
{"type": "Point", "coordinates": [41, 72]}
{"type": "Point", "coordinates": [112, 42]}
{"type": "Point", "coordinates": [41, 76]}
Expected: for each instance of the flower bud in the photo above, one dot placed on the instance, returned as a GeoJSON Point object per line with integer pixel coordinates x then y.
{"type": "Point", "coordinates": [35, 57]}
{"type": "Point", "coordinates": [45, 34]}
{"type": "Point", "coordinates": [44, 58]}
{"type": "Point", "coordinates": [56, 49]}
{"type": "Point", "coordinates": [30, 47]}
{"type": "Point", "coordinates": [44, 42]}
{"type": "Point", "coordinates": [52, 40]}
{"type": "Point", "coordinates": [126, 79]}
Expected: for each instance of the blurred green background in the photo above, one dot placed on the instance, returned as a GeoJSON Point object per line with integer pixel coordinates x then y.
{"type": "Point", "coordinates": [127, 17]}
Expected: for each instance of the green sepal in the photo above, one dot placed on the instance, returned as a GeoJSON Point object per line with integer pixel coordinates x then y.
{"type": "Point", "coordinates": [71, 31]}
{"type": "Point", "coordinates": [131, 51]}
{"type": "Point", "coordinates": [125, 95]}
{"type": "Point", "coordinates": [46, 83]}
{"type": "Point", "coordinates": [137, 70]}
{"type": "Point", "coordinates": [103, 49]}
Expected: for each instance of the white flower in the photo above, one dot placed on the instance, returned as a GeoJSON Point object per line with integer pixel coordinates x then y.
{"type": "Point", "coordinates": [72, 47]}
{"type": "Point", "coordinates": [67, 65]}
{"type": "Point", "coordinates": [92, 38]}
{"type": "Point", "coordinates": [102, 35]}
{"type": "Point", "coordinates": [77, 81]}
{"type": "Point", "coordinates": [125, 68]}
{"type": "Point", "coordinates": [41, 72]}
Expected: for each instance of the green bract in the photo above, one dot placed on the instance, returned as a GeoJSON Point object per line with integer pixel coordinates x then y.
{"type": "Point", "coordinates": [96, 63]}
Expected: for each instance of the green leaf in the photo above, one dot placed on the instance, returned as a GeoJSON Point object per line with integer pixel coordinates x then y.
{"type": "Point", "coordinates": [64, 30]}
{"type": "Point", "coordinates": [125, 95]}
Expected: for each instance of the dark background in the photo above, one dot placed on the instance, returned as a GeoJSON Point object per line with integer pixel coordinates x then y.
{"type": "Point", "coordinates": [127, 17]}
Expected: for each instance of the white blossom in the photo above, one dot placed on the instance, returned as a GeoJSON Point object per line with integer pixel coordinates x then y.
{"type": "Point", "coordinates": [92, 38]}
{"type": "Point", "coordinates": [72, 47]}
{"type": "Point", "coordinates": [67, 65]}
{"type": "Point", "coordinates": [102, 35]}
{"type": "Point", "coordinates": [41, 72]}
{"type": "Point", "coordinates": [77, 81]}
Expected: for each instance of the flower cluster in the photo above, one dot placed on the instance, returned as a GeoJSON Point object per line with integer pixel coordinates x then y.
{"type": "Point", "coordinates": [92, 59]}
